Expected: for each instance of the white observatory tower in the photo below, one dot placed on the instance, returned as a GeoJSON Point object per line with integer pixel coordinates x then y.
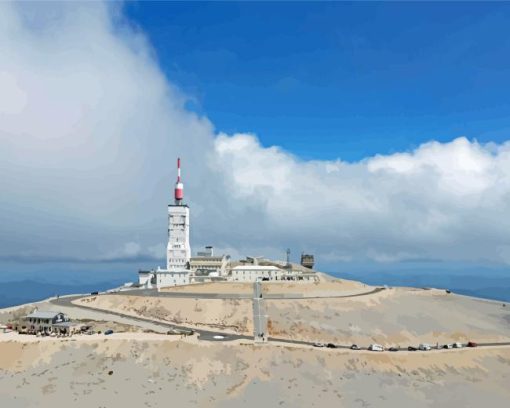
{"type": "Point", "coordinates": [178, 252]}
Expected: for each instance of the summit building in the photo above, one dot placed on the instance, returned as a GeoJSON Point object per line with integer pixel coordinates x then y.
{"type": "Point", "coordinates": [178, 250]}
{"type": "Point", "coordinates": [183, 269]}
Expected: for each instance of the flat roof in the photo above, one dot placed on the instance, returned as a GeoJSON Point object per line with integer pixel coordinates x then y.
{"type": "Point", "coordinates": [256, 267]}
{"type": "Point", "coordinates": [43, 315]}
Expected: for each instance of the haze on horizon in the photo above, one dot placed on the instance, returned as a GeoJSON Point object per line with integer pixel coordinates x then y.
{"type": "Point", "coordinates": [91, 121]}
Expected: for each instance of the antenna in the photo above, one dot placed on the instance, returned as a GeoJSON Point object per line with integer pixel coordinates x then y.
{"type": "Point", "coordinates": [179, 187]}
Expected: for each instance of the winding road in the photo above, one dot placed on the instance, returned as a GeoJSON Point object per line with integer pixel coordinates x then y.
{"type": "Point", "coordinates": [213, 335]}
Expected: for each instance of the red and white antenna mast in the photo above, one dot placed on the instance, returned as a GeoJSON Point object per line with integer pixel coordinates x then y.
{"type": "Point", "coordinates": [179, 187]}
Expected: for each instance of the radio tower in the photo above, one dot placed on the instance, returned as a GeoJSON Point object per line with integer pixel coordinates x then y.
{"type": "Point", "coordinates": [178, 252]}
{"type": "Point", "coordinates": [179, 187]}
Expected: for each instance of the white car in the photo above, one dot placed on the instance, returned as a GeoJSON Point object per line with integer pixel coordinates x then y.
{"type": "Point", "coordinates": [376, 347]}
{"type": "Point", "coordinates": [424, 347]}
{"type": "Point", "coordinates": [457, 345]}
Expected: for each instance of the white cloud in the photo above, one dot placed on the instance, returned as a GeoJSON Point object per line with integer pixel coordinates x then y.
{"type": "Point", "coordinates": [90, 129]}
{"type": "Point", "coordinates": [442, 201]}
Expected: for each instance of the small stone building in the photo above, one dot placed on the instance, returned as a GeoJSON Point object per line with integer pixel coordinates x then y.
{"type": "Point", "coordinates": [47, 322]}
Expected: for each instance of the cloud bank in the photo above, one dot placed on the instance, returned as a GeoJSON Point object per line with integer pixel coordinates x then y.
{"type": "Point", "coordinates": [90, 128]}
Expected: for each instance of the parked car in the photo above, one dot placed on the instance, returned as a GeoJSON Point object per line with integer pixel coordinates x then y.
{"type": "Point", "coordinates": [394, 349]}
{"type": "Point", "coordinates": [330, 345]}
{"type": "Point", "coordinates": [448, 291]}
{"type": "Point", "coordinates": [376, 347]}
{"type": "Point", "coordinates": [411, 348]}
{"type": "Point", "coordinates": [94, 293]}
{"type": "Point", "coordinates": [355, 347]}
{"type": "Point", "coordinates": [108, 332]}
{"type": "Point", "coordinates": [318, 344]}
{"type": "Point", "coordinates": [472, 344]}
{"type": "Point", "coordinates": [448, 346]}
{"type": "Point", "coordinates": [424, 347]}
{"type": "Point", "coordinates": [457, 345]}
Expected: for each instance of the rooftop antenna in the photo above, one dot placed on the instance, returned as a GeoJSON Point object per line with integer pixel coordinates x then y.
{"type": "Point", "coordinates": [179, 187]}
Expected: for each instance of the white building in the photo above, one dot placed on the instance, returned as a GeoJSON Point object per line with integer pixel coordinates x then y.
{"type": "Point", "coordinates": [161, 278]}
{"type": "Point", "coordinates": [146, 279]}
{"type": "Point", "coordinates": [165, 277]}
{"type": "Point", "coordinates": [178, 251]}
{"type": "Point", "coordinates": [252, 273]}
{"type": "Point", "coordinates": [207, 264]}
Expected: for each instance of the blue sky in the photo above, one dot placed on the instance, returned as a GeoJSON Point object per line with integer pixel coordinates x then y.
{"type": "Point", "coordinates": [329, 80]}
{"type": "Point", "coordinates": [92, 120]}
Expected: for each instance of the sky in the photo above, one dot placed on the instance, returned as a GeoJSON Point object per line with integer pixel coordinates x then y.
{"type": "Point", "coordinates": [339, 80]}
{"type": "Point", "coordinates": [362, 133]}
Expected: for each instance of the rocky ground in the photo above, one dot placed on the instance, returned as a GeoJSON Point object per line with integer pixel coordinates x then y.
{"type": "Point", "coordinates": [136, 368]}
{"type": "Point", "coordinates": [399, 316]}
{"type": "Point", "coordinates": [229, 315]}
{"type": "Point", "coordinates": [155, 372]}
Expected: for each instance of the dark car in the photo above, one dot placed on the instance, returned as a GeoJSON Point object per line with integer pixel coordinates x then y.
{"type": "Point", "coordinates": [94, 293]}
{"type": "Point", "coordinates": [355, 347]}
{"type": "Point", "coordinates": [107, 332]}
{"type": "Point", "coordinates": [472, 344]}
{"type": "Point", "coordinates": [411, 348]}
{"type": "Point", "coordinates": [393, 349]}
{"type": "Point", "coordinates": [330, 345]}
{"type": "Point", "coordinates": [448, 291]}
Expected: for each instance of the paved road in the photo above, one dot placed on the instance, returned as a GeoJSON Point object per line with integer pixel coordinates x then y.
{"type": "Point", "coordinates": [202, 334]}
{"type": "Point", "coordinates": [219, 335]}
{"type": "Point", "coordinates": [155, 293]}
{"type": "Point", "coordinates": [272, 296]}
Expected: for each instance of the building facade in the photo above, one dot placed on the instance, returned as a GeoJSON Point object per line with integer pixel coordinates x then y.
{"type": "Point", "coordinates": [47, 322]}
{"type": "Point", "coordinates": [166, 277]}
{"type": "Point", "coordinates": [253, 273]}
{"type": "Point", "coordinates": [207, 264]}
{"type": "Point", "coordinates": [178, 252]}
